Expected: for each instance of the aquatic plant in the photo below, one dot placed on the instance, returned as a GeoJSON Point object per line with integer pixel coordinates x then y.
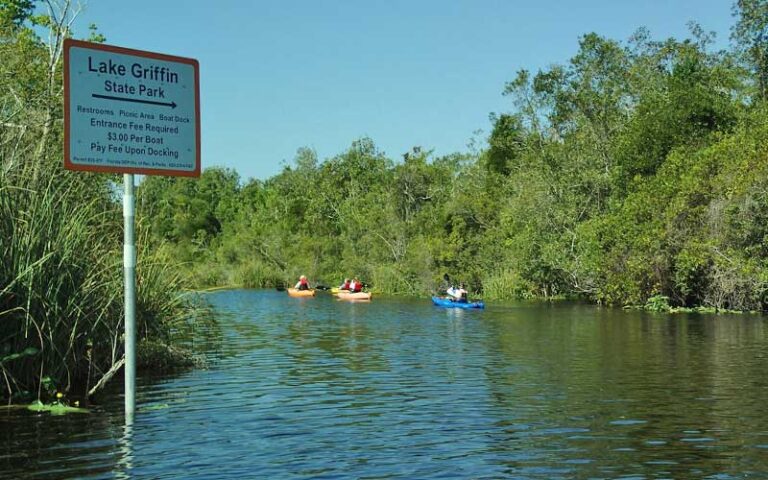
{"type": "Point", "coordinates": [61, 282]}
{"type": "Point", "coordinates": [56, 408]}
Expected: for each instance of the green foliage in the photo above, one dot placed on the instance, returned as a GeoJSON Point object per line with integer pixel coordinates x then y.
{"type": "Point", "coordinates": [630, 175]}
{"type": "Point", "coordinates": [55, 408]}
{"type": "Point", "coordinates": [506, 144]}
{"type": "Point", "coordinates": [657, 303]}
{"type": "Point", "coordinates": [61, 312]}
{"type": "Point", "coordinates": [15, 12]}
{"type": "Point", "coordinates": [506, 284]}
{"type": "Point", "coordinates": [27, 352]}
{"type": "Point", "coordinates": [751, 36]}
{"type": "Point", "coordinates": [683, 93]}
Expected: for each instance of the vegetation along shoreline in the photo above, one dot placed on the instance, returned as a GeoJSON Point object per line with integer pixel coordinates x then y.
{"type": "Point", "coordinates": [633, 174]}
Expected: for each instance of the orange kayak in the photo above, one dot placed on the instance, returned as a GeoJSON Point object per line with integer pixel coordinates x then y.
{"type": "Point", "coordinates": [354, 296]}
{"type": "Point", "coordinates": [292, 292]}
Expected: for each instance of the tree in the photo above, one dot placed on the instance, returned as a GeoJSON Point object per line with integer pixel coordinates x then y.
{"type": "Point", "coordinates": [682, 94]}
{"type": "Point", "coordinates": [507, 143]}
{"type": "Point", "coordinates": [13, 13]}
{"type": "Point", "coordinates": [751, 36]}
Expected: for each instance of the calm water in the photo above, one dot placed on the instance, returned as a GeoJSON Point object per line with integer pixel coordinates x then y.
{"type": "Point", "coordinates": [315, 388]}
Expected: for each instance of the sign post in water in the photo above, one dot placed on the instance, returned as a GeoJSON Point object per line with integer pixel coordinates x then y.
{"type": "Point", "coordinates": [131, 112]}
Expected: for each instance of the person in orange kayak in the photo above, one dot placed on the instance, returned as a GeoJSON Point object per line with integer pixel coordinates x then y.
{"type": "Point", "coordinates": [303, 284]}
{"type": "Point", "coordinates": [345, 285]}
{"type": "Point", "coordinates": [355, 286]}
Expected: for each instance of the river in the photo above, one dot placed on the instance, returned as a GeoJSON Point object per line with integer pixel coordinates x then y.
{"type": "Point", "coordinates": [397, 388]}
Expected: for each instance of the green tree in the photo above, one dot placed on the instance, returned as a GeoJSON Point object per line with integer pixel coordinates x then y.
{"type": "Point", "coordinates": [750, 32]}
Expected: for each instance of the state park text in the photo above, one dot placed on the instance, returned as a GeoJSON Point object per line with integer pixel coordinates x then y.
{"type": "Point", "coordinates": [137, 71]}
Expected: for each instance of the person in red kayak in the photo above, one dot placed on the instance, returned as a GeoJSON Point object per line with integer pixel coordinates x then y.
{"type": "Point", "coordinates": [303, 283]}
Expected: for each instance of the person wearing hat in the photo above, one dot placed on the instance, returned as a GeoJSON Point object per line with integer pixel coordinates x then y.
{"type": "Point", "coordinates": [303, 283]}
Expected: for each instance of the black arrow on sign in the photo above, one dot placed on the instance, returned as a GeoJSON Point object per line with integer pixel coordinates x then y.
{"type": "Point", "coordinates": [134, 100]}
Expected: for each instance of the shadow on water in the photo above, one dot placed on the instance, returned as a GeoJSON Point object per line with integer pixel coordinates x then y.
{"type": "Point", "coordinates": [397, 388]}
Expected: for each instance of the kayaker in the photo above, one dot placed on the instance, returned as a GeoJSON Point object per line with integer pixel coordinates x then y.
{"type": "Point", "coordinates": [449, 292]}
{"type": "Point", "coordinates": [303, 283]}
{"type": "Point", "coordinates": [355, 286]}
{"type": "Point", "coordinates": [460, 294]}
{"type": "Point", "coordinates": [345, 285]}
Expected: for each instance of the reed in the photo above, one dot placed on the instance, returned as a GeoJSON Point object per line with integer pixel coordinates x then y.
{"type": "Point", "coordinates": [505, 285]}
{"type": "Point", "coordinates": [61, 282]}
{"type": "Point", "coordinates": [256, 274]}
{"type": "Point", "coordinates": [61, 285]}
{"type": "Point", "coordinates": [388, 279]}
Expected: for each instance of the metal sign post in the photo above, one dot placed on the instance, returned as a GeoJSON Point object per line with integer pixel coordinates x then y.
{"type": "Point", "coordinates": [129, 274]}
{"type": "Point", "coordinates": [130, 111]}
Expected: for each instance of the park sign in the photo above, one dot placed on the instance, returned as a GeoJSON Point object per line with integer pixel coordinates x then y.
{"type": "Point", "coordinates": [130, 111]}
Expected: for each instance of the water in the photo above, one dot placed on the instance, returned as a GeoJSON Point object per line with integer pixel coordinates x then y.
{"type": "Point", "coordinates": [315, 388]}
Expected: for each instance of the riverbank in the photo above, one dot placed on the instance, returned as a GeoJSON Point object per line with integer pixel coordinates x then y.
{"type": "Point", "coordinates": [501, 294]}
{"type": "Point", "coordinates": [60, 301]}
{"type": "Point", "coordinates": [632, 171]}
{"type": "Point", "coordinates": [61, 277]}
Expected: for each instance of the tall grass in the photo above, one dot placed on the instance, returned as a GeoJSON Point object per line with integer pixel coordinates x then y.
{"type": "Point", "coordinates": [505, 285]}
{"type": "Point", "coordinates": [387, 279]}
{"type": "Point", "coordinates": [256, 274]}
{"type": "Point", "coordinates": [61, 284]}
{"type": "Point", "coordinates": [61, 281]}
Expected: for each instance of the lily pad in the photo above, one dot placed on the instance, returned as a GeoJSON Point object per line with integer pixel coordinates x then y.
{"type": "Point", "coordinates": [55, 408]}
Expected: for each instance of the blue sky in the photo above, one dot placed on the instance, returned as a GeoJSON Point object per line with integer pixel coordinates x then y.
{"type": "Point", "coordinates": [276, 76]}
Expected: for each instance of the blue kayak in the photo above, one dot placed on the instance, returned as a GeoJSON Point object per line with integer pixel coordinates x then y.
{"type": "Point", "coordinates": [441, 302]}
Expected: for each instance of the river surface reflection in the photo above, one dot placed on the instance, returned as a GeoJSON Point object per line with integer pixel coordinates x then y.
{"type": "Point", "coordinates": [397, 388]}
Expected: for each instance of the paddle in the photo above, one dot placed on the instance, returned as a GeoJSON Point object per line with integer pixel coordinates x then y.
{"type": "Point", "coordinates": [442, 289]}
{"type": "Point", "coordinates": [448, 283]}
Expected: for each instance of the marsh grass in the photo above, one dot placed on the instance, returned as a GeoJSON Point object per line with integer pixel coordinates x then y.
{"type": "Point", "coordinates": [505, 285]}
{"type": "Point", "coordinates": [61, 284]}
{"type": "Point", "coordinates": [256, 274]}
{"type": "Point", "coordinates": [61, 280]}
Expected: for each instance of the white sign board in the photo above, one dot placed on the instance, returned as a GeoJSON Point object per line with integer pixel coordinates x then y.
{"type": "Point", "coordinates": [130, 111]}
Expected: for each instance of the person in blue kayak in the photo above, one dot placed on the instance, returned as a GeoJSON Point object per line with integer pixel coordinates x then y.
{"type": "Point", "coordinates": [345, 285]}
{"type": "Point", "coordinates": [459, 295]}
{"type": "Point", "coordinates": [303, 284]}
